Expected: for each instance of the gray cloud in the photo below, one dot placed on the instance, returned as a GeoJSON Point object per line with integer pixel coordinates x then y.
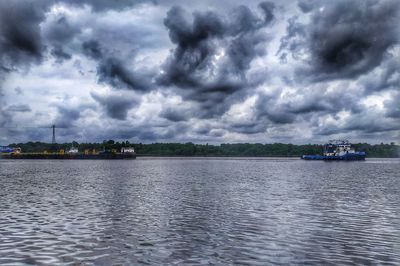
{"type": "Point", "coordinates": [20, 42]}
{"type": "Point", "coordinates": [388, 77]}
{"type": "Point", "coordinates": [114, 71]}
{"type": "Point", "coordinates": [305, 105]}
{"type": "Point", "coordinates": [116, 106]}
{"type": "Point", "coordinates": [67, 116]}
{"type": "Point", "coordinates": [60, 30]}
{"type": "Point", "coordinates": [60, 54]}
{"type": "Point", "coordinates": [5, 117]}
{"type": "Point", "coordinates": [393, 106]}
{"type": "Point", "coordinates": [58, 34]}
{"type": "Point", "coordinates": [92, 49]}
{"type": "Point", "coordinates": [175, 115]}
{"type": "Point", "coordinates": [268, 111]}
{"type": "Point", "coordinates": [343, 39]}
{"type": "Point", "coordinates": [18, 91]}
{"type": "Point", "coordinates": [21, 108]}
{"type": "Point", "coordinates": [251, 127]}
{"type": "Point", "coordinates": [362, 123]}
{"type": "Point", "coordinates": [213, 53]}
{"type": "Point", "coordinates": [105, 5]}
{"type": "Point", "coordinates": [214, 57]}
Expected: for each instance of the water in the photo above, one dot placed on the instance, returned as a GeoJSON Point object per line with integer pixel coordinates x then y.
{"type": "Point", "coordinates": [200, 211]}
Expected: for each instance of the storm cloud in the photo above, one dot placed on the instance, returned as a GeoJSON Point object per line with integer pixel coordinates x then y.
{"type": "Point", "coordinates": [19, 108]}
{"type": "Point", "coordinates": [114, 72]}
{"type": "Point", "coordinates": [20, 42]}
{"type": "Point", "coordinates": [116, 106]}
{"type": "Point", "coordinates": [200, 71]}
{"type": "Point", "coordinates": [105, 5]}
{"type": "Point", "coordinates": [343, 39]}
{"type": "Point", "coordinates": [213, 52]}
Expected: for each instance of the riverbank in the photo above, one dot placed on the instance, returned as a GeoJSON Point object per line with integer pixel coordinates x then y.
{"type": "Point", "coordinates": [206, 150]}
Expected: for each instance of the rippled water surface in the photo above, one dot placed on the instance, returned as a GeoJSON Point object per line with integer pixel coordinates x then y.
{"type": "Point", "coordinates": [200, 211]}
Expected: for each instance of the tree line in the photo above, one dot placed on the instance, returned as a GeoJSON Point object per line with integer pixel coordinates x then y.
{"type": "Point", "coordinates": [191, 149]}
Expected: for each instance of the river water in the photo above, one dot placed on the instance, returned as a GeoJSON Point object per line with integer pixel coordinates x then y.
{"type": "Point", "coordinates": [163, 211]}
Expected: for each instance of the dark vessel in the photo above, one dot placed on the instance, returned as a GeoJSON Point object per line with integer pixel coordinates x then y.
{"type": "Point", "coordinates": [338, 150]}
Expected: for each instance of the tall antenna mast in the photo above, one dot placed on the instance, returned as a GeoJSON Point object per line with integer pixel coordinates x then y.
{"type": "Point", "coordinates": [54, 134]}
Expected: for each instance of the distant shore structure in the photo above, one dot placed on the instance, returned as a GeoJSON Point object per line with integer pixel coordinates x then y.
{"type": "Point", "coordinates": [53, 140]}
{"type": "Point", "coordinates": [71, 154]}
{"type": "Point", "coordinates": [127, 150]}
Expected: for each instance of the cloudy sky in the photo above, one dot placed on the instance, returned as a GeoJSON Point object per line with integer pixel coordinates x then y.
{"type": "Point", "coordinates": [201, 71]}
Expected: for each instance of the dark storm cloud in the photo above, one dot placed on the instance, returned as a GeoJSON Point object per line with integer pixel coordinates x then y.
{"type": "Point", "coordinates": [269, 111]}
{"type": "Point", "coordinates": [313, 101]}
{"type": "Point", "coordinates": [364, 123]}
{"type": "Point", "coordinates": [5, 117]}
{"type": "Point", "coordinates": [343, 39]}
{"type": "Point", "coordinates": [143, 132]}
{"type": "Point", "coordinates": [346, 51]}
{"type": "Point", "coordinates": [104, 5]}
{"type": "Point", "coordinates": [393, 106]}
{"type": "Point", "coordinates": [274, 114]}
{"type": "Point", "coordinates": [67, 116]}
{"type": "Point", "coordinates": [21, 108]}
{"type": "Point", "coordinates": [175, 115]}
{"type": "Point", "coordinates": [306, 5]}
{"type": "Point", "coordinates": [115, 72]}
{"type": "Point", "coordinates": [20, 39]}
{"type": "Point", "coordinates": [61, 30]}
{"type": "Point", "coordinates": [388, 77]}
{"type": "Point", "coordinates": [58, 34]}
{"type": "Point", "coordinates": [18, 91]}
{"type": "Point", "coordinates": [251, 127]}
{"type": "Point", "coordinates": [213, 52]}
{"type": "Point", "coordinates": [305, 104]}
{"type": "Point", "coordinates": [92, 49]}
{"type": "Point", "coordinates": [116, 106]}
{"type": "Point", "coordinates": [60, 54]}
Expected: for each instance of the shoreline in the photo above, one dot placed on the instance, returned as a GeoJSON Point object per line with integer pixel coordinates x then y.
{"type": "Point", "coordinates": [138, 156]}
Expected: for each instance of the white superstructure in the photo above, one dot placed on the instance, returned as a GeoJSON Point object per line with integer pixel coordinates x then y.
{"type": "Point", "coordinates": [73, 150]}
{"type": "Point", "coordinates": [338, 148]}
{"type": "Point", "coordinates": [127, 150]}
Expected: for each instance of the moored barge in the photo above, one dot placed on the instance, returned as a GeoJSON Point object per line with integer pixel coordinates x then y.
{"type": "Point", "coordinates": [72, 154]}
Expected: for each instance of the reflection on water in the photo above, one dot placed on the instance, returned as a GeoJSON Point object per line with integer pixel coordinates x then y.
{"type": "Point", "coordinates": [200, 211]}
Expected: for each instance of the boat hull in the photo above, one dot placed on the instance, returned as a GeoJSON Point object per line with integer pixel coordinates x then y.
{"type": "Point", "coordinates": [346, 157]}
{"type": "Point", "coordinates": [80, 156]}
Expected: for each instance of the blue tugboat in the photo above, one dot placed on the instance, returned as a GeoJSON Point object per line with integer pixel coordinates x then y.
{"type": "Point", "coordinates": [337, 150]}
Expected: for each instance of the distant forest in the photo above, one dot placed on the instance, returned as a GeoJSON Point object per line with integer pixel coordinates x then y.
{"type": "Point", "coordinates": [191, 149]}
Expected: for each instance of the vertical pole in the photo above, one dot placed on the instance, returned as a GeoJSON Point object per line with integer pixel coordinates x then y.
{"type": "Point", "coordinates": [54, 134]}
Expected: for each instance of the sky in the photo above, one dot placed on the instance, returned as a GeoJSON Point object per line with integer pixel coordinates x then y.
{"type": "Point", "coordinates": [200, 71]}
